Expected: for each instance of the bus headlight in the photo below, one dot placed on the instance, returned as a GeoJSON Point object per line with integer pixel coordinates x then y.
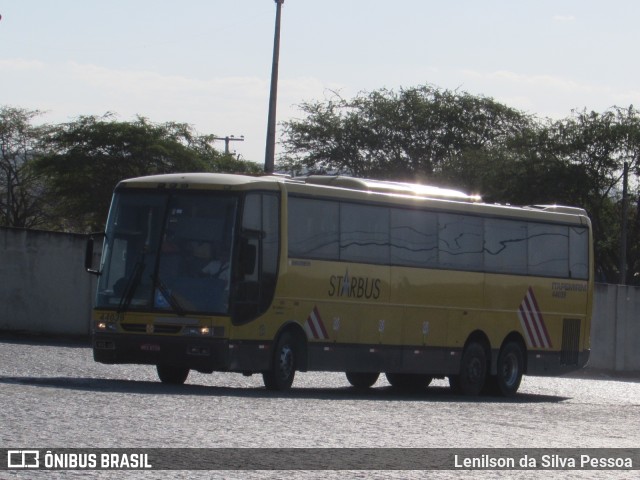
{"type": "Point", "coordinates": [198, 331]}
{"type": "Point", "coordinates": [103, 326]}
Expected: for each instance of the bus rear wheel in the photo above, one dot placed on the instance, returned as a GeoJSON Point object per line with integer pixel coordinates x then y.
{"type": "Point", "coordinates": [473, 371]}
{"type": "Point", "coordinates": [362, 380]}
{"type": "Point", "coordinates": [283, 366]}
{"type": "Point", "coordinates": [510, 369]}
{"type": "Point", "coordinates": [172, 375]}
{"type": "Point", "coordinates": [408, 381]}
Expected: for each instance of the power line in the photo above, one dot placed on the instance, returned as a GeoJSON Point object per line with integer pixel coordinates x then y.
{"type": "Point", "coordinates": [228, 139]}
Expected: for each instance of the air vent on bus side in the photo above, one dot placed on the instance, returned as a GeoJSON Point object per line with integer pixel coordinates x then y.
{"type": "Point", "coordinates": [570, 341]}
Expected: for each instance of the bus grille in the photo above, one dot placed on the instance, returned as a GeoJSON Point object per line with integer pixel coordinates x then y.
{"type": "Point", "coordinates": [570, 341]}
{"type": "Point", "coordinates": [134, 327]}
{"type": "Point", "coordinates": [166, 328]}
{"type": "Point", "coordinates": [142, 328]}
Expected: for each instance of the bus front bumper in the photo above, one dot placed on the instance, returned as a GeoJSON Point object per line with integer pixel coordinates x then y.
{"type": "Point", "coordinates": [203, 354]}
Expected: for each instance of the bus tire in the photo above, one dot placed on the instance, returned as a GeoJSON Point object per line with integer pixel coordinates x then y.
{"type": "Point", "coordinates": [473, 370]}
{"type": "Point", "coordinates": [172, 375]}
{"type": "Point", "coordinates": [510, 369]}
{"type": "Point", "coordinates": [362, 380]}
{"type": "Point", "coordinates": [283, 366]}
{"type": "Point", "coordinates": [408, 381]}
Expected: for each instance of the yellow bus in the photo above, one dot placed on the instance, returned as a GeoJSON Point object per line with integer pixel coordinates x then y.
{"type": "Point", "coordinates": [270, 275]}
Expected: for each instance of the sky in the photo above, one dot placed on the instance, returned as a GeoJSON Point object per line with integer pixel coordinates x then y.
{"type": "Point", "coordinates": [208, 62]}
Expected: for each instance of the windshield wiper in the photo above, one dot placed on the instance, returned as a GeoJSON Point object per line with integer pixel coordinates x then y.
{"type": "Point", "coordinates": [173, 301]}
{"type": "Point", "coordinates": [132, 285]}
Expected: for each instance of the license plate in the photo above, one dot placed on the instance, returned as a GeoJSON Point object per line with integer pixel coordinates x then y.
{"type": "Point", "coordinates": [150, 347]}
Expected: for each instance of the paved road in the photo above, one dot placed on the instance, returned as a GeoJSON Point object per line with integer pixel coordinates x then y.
{"type": "Point", "coordinates": [54, 396]}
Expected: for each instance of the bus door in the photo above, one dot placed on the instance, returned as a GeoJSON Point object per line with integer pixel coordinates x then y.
{"type": "Point", "coordinates": [258, 255]}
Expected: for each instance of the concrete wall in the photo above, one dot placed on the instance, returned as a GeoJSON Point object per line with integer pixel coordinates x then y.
{"type": "Point", "coordinates": [43, 285]}
{"type": "Point", "coordinates": [44, 289]}
{"type": "Point", "coordinates": [615, 328]}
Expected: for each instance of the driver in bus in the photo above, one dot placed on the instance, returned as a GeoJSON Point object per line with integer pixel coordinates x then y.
{"type": "Point", "coordinates": [218, 266]}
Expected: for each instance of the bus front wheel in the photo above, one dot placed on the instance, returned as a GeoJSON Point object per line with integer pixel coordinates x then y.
{"type": "Point", "coordinates": [172, 375]}
{"type": "Point", "coordinates": [283, 366]}
{"type": "Point", "coordinates": [362, 380]}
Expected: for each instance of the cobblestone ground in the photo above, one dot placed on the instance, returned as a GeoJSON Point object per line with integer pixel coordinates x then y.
{"type": "Point", "coordinates": [54, 396]}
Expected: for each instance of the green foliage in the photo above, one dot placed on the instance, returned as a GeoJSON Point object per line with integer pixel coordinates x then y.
{"type": "Point", "coordinates": [21, 202]}
{"type": "Point", "coordinates": [594, 147]}
{"type": "Point", "coordinates": [418, 131]}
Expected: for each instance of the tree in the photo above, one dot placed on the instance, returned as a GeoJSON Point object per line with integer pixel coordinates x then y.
{"type": "Point", "coordinates": [599, 144]}
{"type": "Point", "coordinates": [86, 158]}
{"type": "Point", "coordinates": [416, 132]}
{"type": "Point", "coordinates": [21, 190]}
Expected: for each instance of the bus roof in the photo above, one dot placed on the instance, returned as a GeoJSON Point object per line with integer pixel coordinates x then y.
{"type": "Point", "coordinates": [381, 186]}
{"type": "Point", "coordinates": [200, 179]}
{"type": "Point", "coordinates": [353, 188]}
{"type": "Point", "coordinates": [336, 181]}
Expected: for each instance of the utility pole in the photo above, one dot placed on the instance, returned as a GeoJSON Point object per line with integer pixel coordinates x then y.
{"type": "Point", "coordinates": [227, 139]}
{"type": "Point", "coordinates": [269, 155]}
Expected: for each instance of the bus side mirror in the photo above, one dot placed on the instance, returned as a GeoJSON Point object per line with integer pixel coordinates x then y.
{"type": "Point", "coordinates": [88, 257]}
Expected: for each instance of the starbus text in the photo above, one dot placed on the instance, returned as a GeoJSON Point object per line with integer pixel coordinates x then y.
{"type": "Point", "coordinates": [354, 287]}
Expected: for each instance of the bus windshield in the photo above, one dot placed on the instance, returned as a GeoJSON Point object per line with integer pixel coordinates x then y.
{"type": "Point", "coordinates": [168, 252]}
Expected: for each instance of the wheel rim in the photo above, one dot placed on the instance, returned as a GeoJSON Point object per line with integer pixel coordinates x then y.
{"type": "Point", "coordinates": [286, 361]}
{"type": "Point", "coordinates": [474, 370]}
{"type": "Point", "coordinates": [510, 369]}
